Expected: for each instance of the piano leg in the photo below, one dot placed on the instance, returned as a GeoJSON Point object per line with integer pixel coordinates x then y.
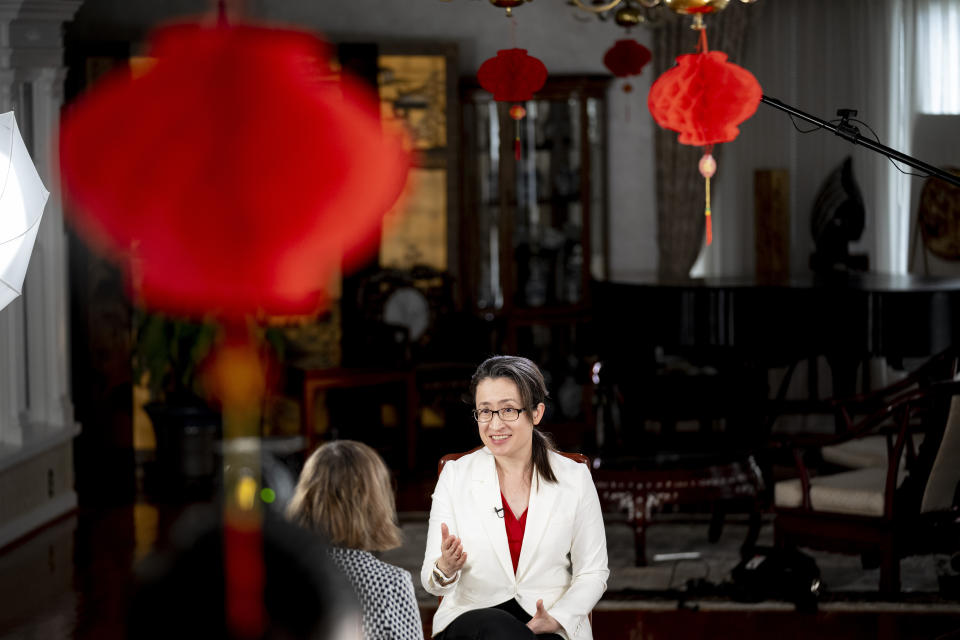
{"type": "Point", "coordinates": [843, 371]}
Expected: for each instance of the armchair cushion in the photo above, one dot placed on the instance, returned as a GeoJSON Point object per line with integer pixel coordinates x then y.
{"type": "Point", "coordinates": [861, 453]}
{"type": "Point", "coordinates": [858, 492]}
{"type": "Point", "coordinates": [943, 486]}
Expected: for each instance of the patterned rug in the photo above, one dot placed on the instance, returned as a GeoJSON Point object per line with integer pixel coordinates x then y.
{"type": "Point", "coordinates": [704, 575]}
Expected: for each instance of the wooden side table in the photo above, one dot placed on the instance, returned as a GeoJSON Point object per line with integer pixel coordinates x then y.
{"type": "Point", "coordinates": [317, 379]}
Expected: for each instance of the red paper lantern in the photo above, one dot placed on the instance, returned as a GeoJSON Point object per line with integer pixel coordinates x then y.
{"type": "Point", "coordinates": [513, 76]}
{"type": "Point", "coordinates": [236, 172]}
{"type": "Point", "coordinates": [626, 58]}
{"type": "Point", "coordinates": [704, 98]}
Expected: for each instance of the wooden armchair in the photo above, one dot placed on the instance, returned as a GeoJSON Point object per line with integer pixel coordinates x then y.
{"type": "Point", "coordinates": [941, 367]}
{"type": "Point", "coordinates": [871, 450]}
{"type": "Point", "coordinates": [890, 511]}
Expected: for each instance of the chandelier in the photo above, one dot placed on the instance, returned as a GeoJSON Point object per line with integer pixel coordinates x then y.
{"type": "Point", "coordinates": [633, 12]}
{"type": "Point", "coordinates": [630, 13]}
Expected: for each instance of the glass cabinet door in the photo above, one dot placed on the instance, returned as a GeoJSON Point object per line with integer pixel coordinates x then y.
{"type": "Point", "coordinates": [548, 239]}
{"type": "Point", "coordinates": [486, 231]}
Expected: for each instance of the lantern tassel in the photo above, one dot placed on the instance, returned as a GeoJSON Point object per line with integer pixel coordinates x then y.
{"type": "Point", "coordinates": [516, 141]}
{"type": "Point", "coordinates": [708, 216]}
{"type": "Point", "coordinates": [708, 167]}
{"type": "Point", "coordinates": [517, 112]}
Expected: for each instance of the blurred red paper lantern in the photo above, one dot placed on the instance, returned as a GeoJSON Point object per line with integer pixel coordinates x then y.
{"type": "Point", "coordinates": [513, 76]}
{"type": "Point", "coordinates": [704, 98]}
{"type": "Point", "coordinates": [626, 58]}
{"type": "Point", "coordinates": [236, 172]}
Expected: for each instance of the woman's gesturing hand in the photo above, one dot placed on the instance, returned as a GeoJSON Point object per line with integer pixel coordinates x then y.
{"type": "Point", "coordinates": [543, 622]}
{"type": "Point", "coordinates": [453, 556]}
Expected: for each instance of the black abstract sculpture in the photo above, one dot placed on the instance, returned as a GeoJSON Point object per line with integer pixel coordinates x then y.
{"type": "Point", "coordinates": [837, 220]}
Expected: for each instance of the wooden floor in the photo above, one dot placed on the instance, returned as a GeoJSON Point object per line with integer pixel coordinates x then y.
{"type": "Point", "coordinates": [71, 580]}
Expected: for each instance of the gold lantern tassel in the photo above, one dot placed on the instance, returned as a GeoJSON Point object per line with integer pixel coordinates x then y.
{"type": "Point", "coordinates": [708, 167]}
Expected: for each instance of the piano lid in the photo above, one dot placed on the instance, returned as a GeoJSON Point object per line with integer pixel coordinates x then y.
{"type": "Point", "coordinates": [850, 315]}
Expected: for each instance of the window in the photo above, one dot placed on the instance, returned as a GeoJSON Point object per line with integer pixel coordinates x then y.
{"type": "Point", "coordinates": [938, 50]}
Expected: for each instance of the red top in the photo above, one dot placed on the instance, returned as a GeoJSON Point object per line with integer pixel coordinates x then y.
{"type": "Point", "coordinates": [515, 527]}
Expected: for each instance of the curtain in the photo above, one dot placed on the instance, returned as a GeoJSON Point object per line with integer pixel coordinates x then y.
{"type": "Point", "coordinates": [680, 187]}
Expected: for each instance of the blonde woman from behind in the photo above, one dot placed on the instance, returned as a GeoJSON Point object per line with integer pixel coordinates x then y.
{"type": "Point", "coordinates": [344, 494]}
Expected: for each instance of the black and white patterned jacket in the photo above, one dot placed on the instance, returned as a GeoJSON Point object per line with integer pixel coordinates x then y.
{"type": "Point", "coordinates": [386, 595]}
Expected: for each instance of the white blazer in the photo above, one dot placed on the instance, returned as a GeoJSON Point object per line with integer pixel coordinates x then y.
{"type": "Point", "coordinates": [563, 559]}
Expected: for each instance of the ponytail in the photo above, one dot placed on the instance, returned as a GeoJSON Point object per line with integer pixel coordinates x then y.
{"type": "Point", "coordinates": [542, 446]}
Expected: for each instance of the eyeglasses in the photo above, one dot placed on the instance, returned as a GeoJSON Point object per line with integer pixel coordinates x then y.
{"type": "Point", "coordinates": [507, 414]}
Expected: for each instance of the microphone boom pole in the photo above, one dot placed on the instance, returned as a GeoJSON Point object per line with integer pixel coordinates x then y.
{"type": "Point", "coordinates": [851, 133]}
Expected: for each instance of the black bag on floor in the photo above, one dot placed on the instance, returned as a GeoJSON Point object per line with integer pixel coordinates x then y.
{"type": "Point", "coordinates": [768, 573]}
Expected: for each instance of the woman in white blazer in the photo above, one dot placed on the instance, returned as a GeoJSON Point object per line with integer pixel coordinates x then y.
{"type": "Point", "coordinates": [516, 543]}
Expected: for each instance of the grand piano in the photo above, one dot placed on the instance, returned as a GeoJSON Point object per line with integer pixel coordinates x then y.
{"type": "Point", "coordinates": [745, 326]}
